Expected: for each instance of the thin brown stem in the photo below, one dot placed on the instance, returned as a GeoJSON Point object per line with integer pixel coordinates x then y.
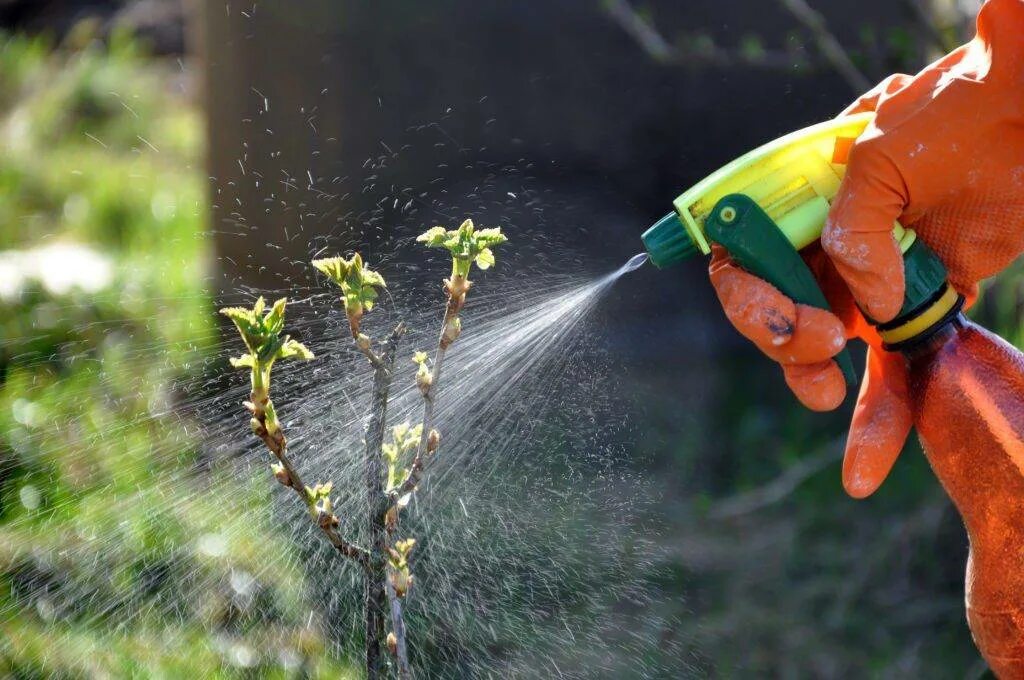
{"type": "Point", "coordinates": [278, 445]}
{"type": "Point", "coordinates": [373, 357]}
{"type": "Point", "coordinates": [452, 308]}
{"type": "Point", "coordinates": [429, 398]}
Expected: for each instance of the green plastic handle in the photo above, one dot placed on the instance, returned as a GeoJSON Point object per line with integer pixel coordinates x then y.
{"type": "Point", "coordinates": [756, 243]}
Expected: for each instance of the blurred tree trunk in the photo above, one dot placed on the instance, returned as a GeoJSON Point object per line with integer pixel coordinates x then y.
{"type": "Point", "coordinates": [272, 110]}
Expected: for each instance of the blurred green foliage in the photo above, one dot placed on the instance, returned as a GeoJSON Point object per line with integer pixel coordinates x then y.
{"type": "Point", "coordinates": [117, 557]}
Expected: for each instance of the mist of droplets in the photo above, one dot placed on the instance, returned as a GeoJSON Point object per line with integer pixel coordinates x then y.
{"type": "Point", "coordinates": [528, 561]}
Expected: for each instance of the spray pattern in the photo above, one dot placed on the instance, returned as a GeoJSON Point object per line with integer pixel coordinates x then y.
{"type": "Point", "coordinates": [505, 410]}
{"type": "Point", "coordinates": [394, 470]}
{"type": "Point", "coordinates": [527, 511]}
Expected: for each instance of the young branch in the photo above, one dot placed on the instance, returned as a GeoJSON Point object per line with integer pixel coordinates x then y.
{"type": "Point", "coordinates": [277, 444]}
{"type": "Point", "coordinates": [779, 488]}
{"type": "Point", "coordinates": [377, 500]}
{"type": "Point", "coordinates": [401, 650]}
{"type": "Point", "coordinates": [423, 449]}
{"type": "Point", "coordinates": [375, 360]}
{"type": "Point", "coordinates": [829, 46]}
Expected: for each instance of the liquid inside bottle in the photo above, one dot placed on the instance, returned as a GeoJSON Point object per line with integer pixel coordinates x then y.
{"type": "Point", "coordinates": [967, 387]}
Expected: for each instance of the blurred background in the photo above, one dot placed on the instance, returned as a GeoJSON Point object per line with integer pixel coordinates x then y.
{"type": "Point", "coordinates": [161, 157]}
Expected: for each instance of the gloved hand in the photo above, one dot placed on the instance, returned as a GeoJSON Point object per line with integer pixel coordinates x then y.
{"type": "Point", "coordinates": [944, 156]}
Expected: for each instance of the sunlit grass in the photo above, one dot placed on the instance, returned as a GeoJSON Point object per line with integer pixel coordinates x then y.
{"type": "Point", "coordinates": [122, 550]}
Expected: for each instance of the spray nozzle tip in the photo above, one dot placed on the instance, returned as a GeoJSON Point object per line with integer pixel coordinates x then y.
{"type": "Point", "coordinates": [667, 241]}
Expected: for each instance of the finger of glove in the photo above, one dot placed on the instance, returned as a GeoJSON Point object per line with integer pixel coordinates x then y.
{"type": "Point", "coordinates": [818, 335]}
{"type": "Point", "coordinates": [819, 386]}
{"type": "Point", "coordinates": [756, 308]}
{"type": "Point", "coordinates": [788, 333]}
{"type": "Point", "coordinates": [869, 100]}
{"type": "Point", "coordinates": [881, 423]}
{"type": "Point", "coordinates": [858, 232]}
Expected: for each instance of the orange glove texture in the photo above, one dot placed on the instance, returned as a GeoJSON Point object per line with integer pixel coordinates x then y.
{"type": "Point", "coordinates": [944, 156]}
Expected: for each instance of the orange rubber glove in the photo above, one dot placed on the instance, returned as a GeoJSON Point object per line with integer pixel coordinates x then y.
{"type": "Point", "coordinates": [944, 156]}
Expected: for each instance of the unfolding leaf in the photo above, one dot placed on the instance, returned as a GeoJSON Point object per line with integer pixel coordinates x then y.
{"type": "Point", "coordinates": [335, 268]}
{"type": "Point", "coordinates": [294, 348]}
{"type": "Point", "coordinates": [358, 283]}
{"type": "Point", "coordinates": [485, 259]}
{"type": "Point", "coordinates": [261, 334]}
{"type": "Point", "coordinates": [244, 361]}
{"type": "Point", "coordinates": [490, 237]}
{"type": "Point", "coordinates": [433, 237]}
{"type": "Point", "coordinates": [466, 245]}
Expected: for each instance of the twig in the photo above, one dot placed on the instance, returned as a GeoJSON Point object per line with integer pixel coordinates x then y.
{"type": "Point", "coordinates": [277, 444]}
{"type": "Point", "coordinates": [377, 500]}
{"type": "Point", "coordinates": [658, 48]}
{"type": "Point", "coordinates": [429, 397]}
{"type": "Point", "coordinates": [828, 44]}
{"type": "Point", "coordinates": [778, 488]}
{"type": "Point", "coordinates": [398, 626]}
{"type": "Point", "coordinates": [362, 343]}
{"type": "Point", "coordinates": [456, 288]}
{"type": "Point", "coordinates": [413, 479]}
{"type": "Point", "coordinates": [641, 30]}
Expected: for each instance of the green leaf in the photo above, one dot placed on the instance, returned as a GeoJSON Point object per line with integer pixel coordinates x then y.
{"type": "Point", "coordinates": [238, 314]}
{"type": "Point", "coordinates": [485, 259]}
{"type": "Point", "coordinates": [274, 321]}
{"type": "Point", "coordinates": [413, 438]}
{"type": "Point", "coordinates": [368, 296]}
{"type": "Point", "coordinates": [466, 245]}
{"type": "Point", "coordinates": [419, 358]}
{"type": "Point", "coordinates": [404, 547]}
{"type": "Point", "coordinates": [372, 278]}
{"type": "Point", "coordinates": [261, 335]}
{"type": "Point", "coordinates": [294, 348]}
{"type": "Point", "coordinates": [433, 237]}
{"type": "Point", "coordinates": [358, 283]}
{"type": "Point", "coordinates": [270, 350]}
{"type": "Point", "coordinates": [490, 237]}
{"type": "Point", "coordinates": [335, 268]}
{"type": "Point", "coordinates": [398, 432]}
{"type": "Point", "coordinates": [244, 361]}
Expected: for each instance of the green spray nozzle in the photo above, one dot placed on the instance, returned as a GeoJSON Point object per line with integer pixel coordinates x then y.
{"type": "Point", "coordinates": [667, 242]}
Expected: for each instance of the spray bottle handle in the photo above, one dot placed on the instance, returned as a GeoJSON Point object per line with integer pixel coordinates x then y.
{"type": "Point", "coordinates": [757, 245]}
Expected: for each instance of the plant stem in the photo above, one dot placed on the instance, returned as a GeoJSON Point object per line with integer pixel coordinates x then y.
{"type": "Point", "coordinates": [452, 309]}
{"type": "Point", "coordinates": [277, 444]}
{"type": "Point", "coordinates": [377, 505]}
{"type": "Point", "coordinates": [398, 625]}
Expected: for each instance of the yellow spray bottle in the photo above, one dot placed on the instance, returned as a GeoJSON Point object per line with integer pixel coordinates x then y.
{"type": "Point", "coordinates": [767, 205]}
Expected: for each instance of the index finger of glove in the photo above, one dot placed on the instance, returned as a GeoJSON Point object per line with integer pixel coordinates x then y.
{"type": "Point", "coordinates": [788, 333]}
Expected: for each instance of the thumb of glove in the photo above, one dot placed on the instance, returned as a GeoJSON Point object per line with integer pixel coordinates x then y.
{"type": "Point", "coordinates": [858, 232]}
